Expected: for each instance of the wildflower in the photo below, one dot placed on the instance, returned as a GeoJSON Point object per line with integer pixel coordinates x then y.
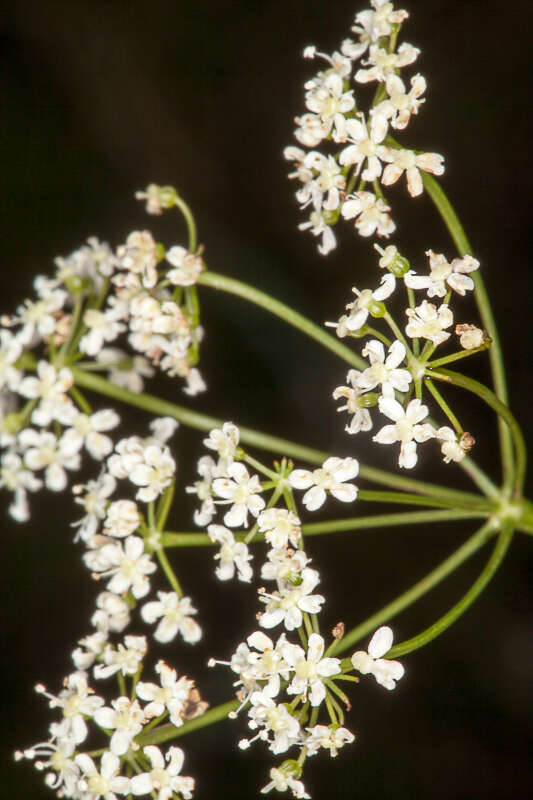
{"type": "Point", "coordinates": [452, 448]}
{"type": "Point", "coordinates": [383, 370]}
{"type": "Point", "coordinates": [19, 480]}
{"type": "Point", "coordinates": [50, 388]}
{"type": "Point", "coordinates": [122, 519]}
{"type": "Point", "coordinates": [380, 63]}
{"type": "Point", "coordinates": [224, 441]}
{"type": "Point", "coordinates": [104, 783]}
{"type": "Point", "coordinates": [470, 337]}
{"type": "Point", "coordinates": [330, 477]}
{"type": "Point", "coordinates": [126, 718]}
{"type": "Point", "coordinates": [310, 668]}
{"type": "Point", "coordinates": [163, 779]}
{"type": "Point", "coordinates": [286, 605]}
{"type": "Point", "coordinates": [139, 255]}
{"type": "Point", "coordinates": [355, 403]}
{"type": "Point", "coordinates": [282, 781]}
{"type": "Point", "coordinates": [102, 327]}
{"type": "Point", "coordinates": [280, 527]}
{"type": "Point", "coordinates": [406, 428]}
{"type": "Point", "coordinates": [400, 105]}
{"type": "Point", "coordinates": [171, 695]}
{"type": "Point", "coordinates": [329, 737]}
{"type": "Point", "coordinates": [444, 274]}
{"type": "Point", "coordinates": [77, 701]}
{"type": "Point", "coordinates": [88, 430]}
{"type": "Point", "coordinates": [125, 658]}
{"type": "Point", "coordinates": [385, 672]}
{"type": "Point", "coordinates": [187, 266]}
{"type": "Point", "coordinates": [175, 617]}
{"type": "Point", "coordinates": [429, 322]}
{"type": "Point", "coordinates": [42, 450]}
{"type": "Point", "coordinates": [128, 566]}
{"type": "Point", "coordinates": [233, 555]}
{"type": "Point", "coordinates": [94, 501]}
{"type": "Point", "coordinates": [411, 163]}
{"type": "Point", "coordinates": [241, 490]}
{"type": "Point", "coordinates": [154, 474]}
{"type": "Point", "coordinates": [370, 214]}
{"type": "Point", "coordinates": [274, 719]}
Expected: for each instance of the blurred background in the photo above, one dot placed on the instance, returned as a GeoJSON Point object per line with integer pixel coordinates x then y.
{"type": "Point", "coordinates": [101, 98]}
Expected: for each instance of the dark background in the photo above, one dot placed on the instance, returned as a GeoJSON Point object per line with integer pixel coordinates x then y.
{"type": "Point", "coordinates": [101, 98]}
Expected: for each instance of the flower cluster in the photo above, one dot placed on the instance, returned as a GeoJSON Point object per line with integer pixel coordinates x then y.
{"type": "Point", "coordinates": [357, 149]}
{"type": "Point", "coordinates": [140, 295]}
{"type": "Point", "coordinates": [396, 368]}
{"type": "Point", "coordinates": [283, 685]}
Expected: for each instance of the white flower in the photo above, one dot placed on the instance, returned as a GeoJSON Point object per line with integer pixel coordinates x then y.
{"type": "Point", "coordinates": [43, 451]}
{"type": "Point", "coordinates": [172, 694]}
{"type": "Point", "coordinates": [188, 266]}
{"type": "Point", "coordinates": [287, 604]}
{"type": "Point", "coordinates": [242, 491]}
{"type": "Point", "coordinates": [65, 773]}
{"type": "Point", "coordinates": [175, 616]}
{"type": "Point", "coordinates": [409, 162]}
{"type": "Point", "coordinates": [104, 783]}
{"type": "Point", "coordinates": [370, 214]}
{"type": "Point", "coordinates": [88, 430]}
{"type": "Point", "coordinates": [122, 519]}
{"type": "Point", "coordinates": [406, 428]}
{"type": "Point", "coordinates": [400, 105]}
{"type": "Point", "coordinates": [442, 273]}
{"type": "Point", "coordinates": [452, 448]}
{"type": "Point", "coordinates": [330, 477]}
{"type": "Point", "coordinates": [38, 318]}
{"type": "Point", "coordinates": [385, 672]}
{"type": "Point", "coordinates": [94, 501]}
{"type": "Point", "coordinates": [232, 555]}
{"type": "Point", "coordinates": [165, 780]}
{"type": "Point", "coordinates": [361, 420]}
{"type": "Point", "coordinates": [429, 322]}
{"type": "Point", "coordinates": [284, 566]}
{"type": "Point", "coordinates": [112, 612]}
{"type": "Point", "coordinates": [224, 441]}
{"type": "Point", "coordinates": [265, 665]}
{"type": "Point", "coordinates": [139, 255]}
{"type": "Point", "coordinates": [128, 566]}
{"type": "Point", "coordinates": [50, 387]}
{"type": "Point", "coordinates": [76, 701]}
{"type": "Point", "coordinates": [103, 327]}
{"type": "Point", "coordinates": [383, 370]}
{"type": "Point", "coordinates": [282, 782]}
{"type": "Point", "coordinates": [327, 737]}
{"type": "Point", "coordinates": [126, 658]}
{"type": "Point", "coordinates": [329, 101]}
{"type": "Point", "coordinates": [381, 63]}
{"type": "Point", "coordinates": [363, 147]}
{"type": "Point", "coordinates": [126, 718]}
{"type": "Point", "coordinates": [154, 474]}
{"type": "Point", "coordinates": [275, 720]}
{"type": "Point", "coordinates": [91, 648]}
{"type": "Point", "coordinates": [16, 478]}
{"type": "Point", "coordinates": [280, 527]}
{"type": "Point", "coordinates": [310, 669]}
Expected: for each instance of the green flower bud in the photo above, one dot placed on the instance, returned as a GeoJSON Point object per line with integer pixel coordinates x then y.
{"type": "Point", "coordinates": [377, 309]}
{"type": "Point", "coordinates": [368, 400]}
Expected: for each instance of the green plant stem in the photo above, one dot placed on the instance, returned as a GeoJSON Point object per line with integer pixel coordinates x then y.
{"type": "Point", "coordinates": [169, 572]}
{"type": "Point", "coordinates": [515, 476]}
{"type": "Point", "coordinates": [284, 312]}
{"type": "Point", "coordinates": [189, 539]}
{"type": "Point", "coordinates": [440, 362]}
{"type": "Point", "coordinates": [444, 406]}
{"type": "Point", "coordinates": [498, 554]}
{"type": "Point", "coordinates": [479, 503]}
{"type": "Point", "coordinates": [167, 732]}
{"type": "Point", "coordinates": [249, 436]}
{"type": "Point", "coordinates": [189, 219]}
{"type": "Point", "coordinates": [451, 220]}
{"type": "Point", "coordinates": [416, 591]}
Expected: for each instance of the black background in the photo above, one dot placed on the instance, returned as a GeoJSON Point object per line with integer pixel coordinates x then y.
{"type": "Point", "coordinates": [101, 98]}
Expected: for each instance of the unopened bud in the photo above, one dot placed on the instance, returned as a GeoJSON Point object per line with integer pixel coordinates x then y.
{"type": "Point", "coordinates": [467, 441]}
{"type": "Point", "coordinates": [338, 630]}
{"type": "Point", "coordinates": [368, 400]}
{"type": "Point", "coordinates": [470, 337]}
{"type": "Point", "coordinates": [377, 309]}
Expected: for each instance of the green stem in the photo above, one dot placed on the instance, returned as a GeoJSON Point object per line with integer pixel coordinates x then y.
{"type": "Point", "coordinates": [167, 732]}
{"type": "Point", "coordinates": [249, 436]}
{"type": "Point", "coordinates": [451, 220]}
{"type": "Point", "coordinates": [284, 312]}
{"type": "Point", "coordinates": [189, 219]}
{"type": "Point", "coordinates": [498, 554]}
{"type": "Point", "coordinates": [186, 539]}
{"type": "Point", "coordinates": [479, 503]}
{"type": "Point", "coordinates": [440, 362]}
{"type": "Point", "coordinates": [444, 406]}
{"type": "Point", "coordinates": [416, 591]}
{"type": "Point", "coordinates": [515, 476]}
{"type": "Point", "coordinates": [169, 572]}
